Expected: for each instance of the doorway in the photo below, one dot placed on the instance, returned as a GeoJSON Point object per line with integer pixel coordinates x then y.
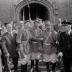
{"type": "Point", "coordinates": [33, 11]}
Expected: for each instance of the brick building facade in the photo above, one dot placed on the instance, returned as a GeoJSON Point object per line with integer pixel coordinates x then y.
{"type": "Point", "coordinates": [57, 9]}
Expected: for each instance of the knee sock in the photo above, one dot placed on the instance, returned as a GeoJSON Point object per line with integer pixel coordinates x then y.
{"type": "Point", "coordinates": [24, 68]}
{"type": "Point", "coordinates": [32, 63]}
{"type": "Point", "coordinates": [37, 61]}
{"type": "Point", "coordinates": [53, 66]}
{"type": "Point", "coordinates": [47, 65]}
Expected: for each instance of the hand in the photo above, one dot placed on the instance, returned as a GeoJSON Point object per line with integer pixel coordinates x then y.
{"type": "Point", "coordinates": [7, 54]}
{"type": "Point", "coordinates": [60, 54]}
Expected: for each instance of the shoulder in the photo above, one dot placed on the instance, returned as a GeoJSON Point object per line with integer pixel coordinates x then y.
{"type": "Point", "coordinates": [4, 37]}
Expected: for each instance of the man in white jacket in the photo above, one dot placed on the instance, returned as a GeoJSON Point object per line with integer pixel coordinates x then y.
{"type": "Point", "coordinates": [24, 47]}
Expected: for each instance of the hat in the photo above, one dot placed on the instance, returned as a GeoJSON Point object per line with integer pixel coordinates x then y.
{"type": "Point", "coordinates": [9, 25]}
{"type": "Point", "coordinates": [48, 23]}
{"type": "Point", "coordinates": [65, 23]}
{"type": "Point", "coordinates": [21, 22]}
{"type": "Point", "coordinates": [27, 21]}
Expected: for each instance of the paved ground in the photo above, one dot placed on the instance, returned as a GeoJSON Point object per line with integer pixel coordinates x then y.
{"type": "Point", "coordinates": [42, 67]}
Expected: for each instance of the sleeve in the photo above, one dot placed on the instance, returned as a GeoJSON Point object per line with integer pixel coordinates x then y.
{"type": "Point", "coordinates": [4, 46]}
{"type": "Point", "coordinates": [60, 43]}
{"type": "Point", "coordinates": [15, 36]}
{"type": "Point", "coordinates": [53, 38]}
{"type": "Point", "coordinates": [18, 38]}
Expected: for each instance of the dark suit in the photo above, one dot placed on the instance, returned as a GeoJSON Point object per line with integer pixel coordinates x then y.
{"type": "Point", "coordinates": [9, 45]}
{"type": "Point", "coordinates": [65, 46]}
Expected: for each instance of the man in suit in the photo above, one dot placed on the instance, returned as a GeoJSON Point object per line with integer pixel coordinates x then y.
{"type": "Point", "coordinates": [9, 47]}
{"type": "Point", "coordinates": [65, 46]}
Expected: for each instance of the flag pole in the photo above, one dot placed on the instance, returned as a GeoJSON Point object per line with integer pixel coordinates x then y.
{"type": "Point", "coordinates": [23, 15]}
{"type": "Point", "coordinates": [29, 10]}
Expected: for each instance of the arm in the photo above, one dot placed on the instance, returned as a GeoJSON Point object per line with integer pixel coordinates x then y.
{"type": "Point", "coordinates": [5, 49]}
{"type": "Point", "coordinates": [60, 42]}
{"type": "Point", "coordinates": [60, 50]}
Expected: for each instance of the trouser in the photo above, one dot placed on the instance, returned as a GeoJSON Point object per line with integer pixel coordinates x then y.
{"type": "Point", "coordinates": [37, 61]}
{"type": "Point", "coordinates": [32, 63]}
{"type": "Point", "coordinates": [67, 62]}
{"type": "Point", "coordinates": [53, 67]}
{"type": "Point", "coordinates": [15, 62]}
{"type": "Point", "coordinates": [36, 64]}
{"type": "Point", "coordinates": [2, 57]}
{"type": "Point", "coordinates": [47, 65]}
{"type": "Point", "coordinates": [6, 64]}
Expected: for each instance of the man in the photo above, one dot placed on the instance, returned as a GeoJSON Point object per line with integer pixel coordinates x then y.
{"type": "Point", "coordinates": [23, 41]}
{"type": "Point", "coordinates": [65, 46]}
{"type": "Point", "coordinates": [1, 51]}
{"type": "Point", "coordinates": [36, 44]}
{"type": "Point", "coordinates": [3, 30]}
{"type": "Point", "coordinates": [9, 47]}
{"type": "Point", "coordinates": [49, 47]}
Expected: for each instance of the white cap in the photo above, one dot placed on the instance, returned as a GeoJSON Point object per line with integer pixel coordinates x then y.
{"type": "Point", "coordinates": [9, 25]}
{"type": "Point", "coordinates": [22, 22]}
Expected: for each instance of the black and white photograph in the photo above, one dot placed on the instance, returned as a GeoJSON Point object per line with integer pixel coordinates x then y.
{"type": "Point", "coordinates": [35, 35]}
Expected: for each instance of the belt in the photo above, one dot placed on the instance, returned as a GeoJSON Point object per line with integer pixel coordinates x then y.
{"type": "Point", "coordinates": [47, 44]}
{"type": "Point", "coordinates": [34, 42]}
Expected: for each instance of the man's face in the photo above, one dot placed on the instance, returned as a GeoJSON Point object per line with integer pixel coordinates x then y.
{"type": "Point", "coordinates": [69, 28]}
{"type": "Point", "coordinates": [47, 27]}
{"type": "Point", "coordinates": [36, 24]}
{"type": "Point", "coordinates": [9, 28]}
{"type": "Point", "coordinates": [27, 25]}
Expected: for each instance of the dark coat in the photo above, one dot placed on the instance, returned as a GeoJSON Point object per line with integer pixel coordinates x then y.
{"type": "Point", "coordinates": [65, 44]}
{"type": "Point", "coordinates": [9, 45]}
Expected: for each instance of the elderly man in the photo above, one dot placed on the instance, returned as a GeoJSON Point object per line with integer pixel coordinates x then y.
{"type": "Point", "coordinates": [9, 47]}
{"type": "Point", "coordinates": [65, 46]}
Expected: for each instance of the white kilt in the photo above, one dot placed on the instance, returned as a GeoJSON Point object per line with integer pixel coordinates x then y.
{"type": "Point", "coordinates": [24, 52]}
{"type": "Point", "coordinates": [50, 58]}
{"type": "Point", "coordinates": [26, 59]}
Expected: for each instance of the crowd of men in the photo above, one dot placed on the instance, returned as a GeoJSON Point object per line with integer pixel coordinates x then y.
{"type": "Point", "coordinates": [35, 40]}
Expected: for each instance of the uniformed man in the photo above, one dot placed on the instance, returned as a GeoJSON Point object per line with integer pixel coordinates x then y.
{"type": "Point", "coordinates": [50, 47]}
{"type": "Point", "coordinates": [36, 43]}
{"type": "Point", "coordinates": [65, 46]}
{"type": "Point", "coordinates": [23, 40]}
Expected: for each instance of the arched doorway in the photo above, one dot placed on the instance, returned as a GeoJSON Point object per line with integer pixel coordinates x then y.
{"type": "Point", "coordinates": [44, 5]}
{"type": "Point", "coordinates": [35, 10]}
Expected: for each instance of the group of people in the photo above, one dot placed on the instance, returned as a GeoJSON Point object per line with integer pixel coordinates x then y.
{"type": "Point", "coordinates": [35, 40]}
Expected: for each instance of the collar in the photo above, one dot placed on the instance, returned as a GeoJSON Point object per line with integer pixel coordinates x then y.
{"type": "Point", "coordinates": [69, 32]}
